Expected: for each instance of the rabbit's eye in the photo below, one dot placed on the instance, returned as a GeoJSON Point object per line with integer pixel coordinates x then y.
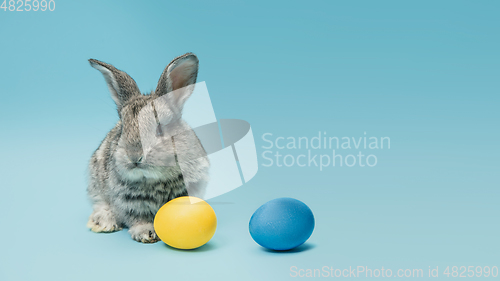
{"type": "Point", "coordinates": [159, 131]}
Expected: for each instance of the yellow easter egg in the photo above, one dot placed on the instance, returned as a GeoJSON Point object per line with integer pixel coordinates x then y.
{"type": "Point", "coordinates": [185, 222]}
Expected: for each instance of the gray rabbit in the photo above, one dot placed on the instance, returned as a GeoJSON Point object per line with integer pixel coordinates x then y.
{"type": "Point", "coordinates": [151, 156]}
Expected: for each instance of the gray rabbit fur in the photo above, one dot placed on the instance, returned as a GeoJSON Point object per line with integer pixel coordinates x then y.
{"type": "Point", "coordinates": [127, 188]}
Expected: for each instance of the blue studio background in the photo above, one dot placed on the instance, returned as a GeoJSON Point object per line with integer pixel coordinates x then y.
{"type": "Point", "coordinates": [424, 73]}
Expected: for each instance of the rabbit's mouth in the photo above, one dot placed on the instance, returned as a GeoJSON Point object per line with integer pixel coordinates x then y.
{"type": "Point", "coordinates": [148, 172]}
{"type": "Point", "coordinates": [136, 165]}
{"type": "Point", "coordinates": [136, 173]}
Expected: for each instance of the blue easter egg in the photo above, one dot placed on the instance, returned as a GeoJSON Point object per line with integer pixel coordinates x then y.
{"type": "Point", "coordinates": [282, 224]}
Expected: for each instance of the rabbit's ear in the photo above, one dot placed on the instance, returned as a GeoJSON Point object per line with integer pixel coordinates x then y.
{"type": "Point", "coordinates": [120, 84]}
{"type": "Point", "coordinates": [179, 73]}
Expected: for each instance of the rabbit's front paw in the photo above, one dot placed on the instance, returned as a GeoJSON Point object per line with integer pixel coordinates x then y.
{"type": "Point", "coordinates": [144, 233]}
{"type": "Point", "coordinates": [103, 220]}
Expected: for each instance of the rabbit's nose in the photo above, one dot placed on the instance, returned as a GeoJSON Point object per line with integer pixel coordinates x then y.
{"type": "Point", "coordinates": [136, 161]}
